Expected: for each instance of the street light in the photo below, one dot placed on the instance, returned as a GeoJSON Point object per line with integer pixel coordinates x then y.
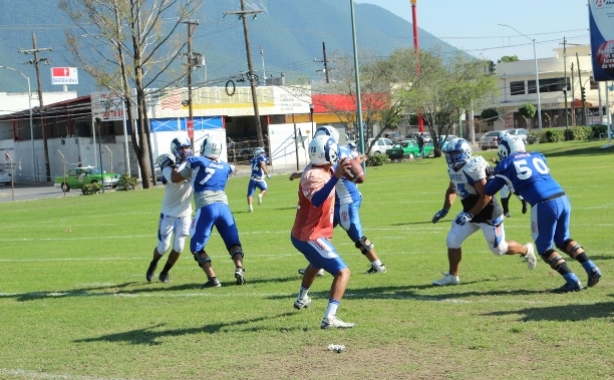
{"type": "Point", "coordinates": [539, 103]}
{"type": "Point", "coordinates": [30, 107]}
{"type": "Point", "coordinates": [361, 142]}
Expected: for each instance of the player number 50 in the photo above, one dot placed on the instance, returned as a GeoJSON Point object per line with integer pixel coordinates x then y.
{"type": "Point", "coordinates": [524, 169]}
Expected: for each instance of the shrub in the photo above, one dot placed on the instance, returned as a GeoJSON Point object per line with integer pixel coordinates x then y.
{"type": "Point", "coordinates": [127, 183]}
{"type": "Point", "coordinates": [378, 160]}
{"type": "Point", "coordinates": [552, 135]}
{"type": "Point", "coordinates": [91, 188]}
{"type": "Point", "coordinates": [599, 130]}
{"type": "Point", "coordinates": [578, 133]}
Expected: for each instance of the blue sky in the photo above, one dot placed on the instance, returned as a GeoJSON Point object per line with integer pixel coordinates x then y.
{"type": "Point", "coordinates": [472, 25]}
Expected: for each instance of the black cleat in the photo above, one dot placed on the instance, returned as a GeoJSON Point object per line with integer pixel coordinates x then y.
{"type": "Point", "coordinates": [594, 277]}
{"type": "Point", "coordinates": [569, 287]}
{"type": "Point", "coordinates": [150, 271]}
{"type": "Point", "coordinates": [164, 277]}
{"type": "Point", "coordinates": [240, 276]}
{"type": "Point", "coordinates": [212, 283]}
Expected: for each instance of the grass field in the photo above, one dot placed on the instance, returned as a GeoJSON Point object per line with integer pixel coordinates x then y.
{"type": "Point", "coordinates": [74, 303]}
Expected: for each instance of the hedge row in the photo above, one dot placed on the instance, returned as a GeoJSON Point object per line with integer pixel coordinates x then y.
{"type": "Point", "coordinates": [577, 133]}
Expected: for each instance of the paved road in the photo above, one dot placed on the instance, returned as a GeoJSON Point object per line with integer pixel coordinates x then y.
{"type": "Point", "coordinates": [29, 191]}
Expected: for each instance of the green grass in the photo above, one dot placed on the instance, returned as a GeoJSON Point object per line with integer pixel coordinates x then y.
{"type": "Point", "coordinates": [74, 301]}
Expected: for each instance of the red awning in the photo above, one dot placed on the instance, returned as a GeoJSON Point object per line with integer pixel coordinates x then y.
{"type": "Point", "coordinates": [325, 103]}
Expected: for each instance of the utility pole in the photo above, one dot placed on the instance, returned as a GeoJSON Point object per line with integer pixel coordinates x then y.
{"type": "Point", "coordinates": [191, 64]}
{"type": "Point", "coordinates": [36, 62]}
{"type": "Point", "coordinates": [325, 61]}
{"type": "Point", "coordinates": [566, 84]}
{"type": "Point", "coordinates": [573, 98]}
{"type": "Point", "coordinates": [252, 77]}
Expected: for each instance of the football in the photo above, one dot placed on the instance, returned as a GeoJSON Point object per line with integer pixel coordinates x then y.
{"type": "Point", "coordinates": [355, 173]}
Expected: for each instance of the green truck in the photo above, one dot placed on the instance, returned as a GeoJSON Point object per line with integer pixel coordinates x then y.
{"type": "Point", "coordinates": [408, 149]}
{"type": "Point", "coordinates": [77, 177]}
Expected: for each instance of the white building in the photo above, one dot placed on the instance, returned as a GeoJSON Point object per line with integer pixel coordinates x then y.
{"type": "Point", "coordinates": [74, 138]}
{"type": "Point", "coordinates": [18, 101]}
{"type": "Point", "coordinates": [517, 87]}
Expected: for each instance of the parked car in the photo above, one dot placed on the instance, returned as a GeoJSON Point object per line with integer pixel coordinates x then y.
{"type": "Point", "coordinates": [520, 132]}
{"type": "Point", "coordinates": [77, 177]}
{"type": "Point", "coordinates": [414, 136]}
{"type": "Point", "coordinates": [407, 149]}
{"type": "Point", "coordinates": [491, 139]}
{"type": "Point", "coordinates": [444, 140]}
{"type": "Point", "coordinates": [5, 177]}
{"type": "Point", "coordinates": [394, 136]}
{"type": "Point", "coordinates": [380, 146]}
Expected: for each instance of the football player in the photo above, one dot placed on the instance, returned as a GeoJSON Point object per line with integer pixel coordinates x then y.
{"type": "Point", "coordinates": [347, 207]}
{"type": "Point", "coordinates": [468, 177]}
{"type": "Point", "coordinates": [209, 176]}
{"type": "Point", "coordinates": [313, 227]}
{"type": "Point", "coordinates": [176, 213]}
{"type": "Point", "coordinates": [259, 171]}
{"type": "Point", "coordinates": [527, 174]}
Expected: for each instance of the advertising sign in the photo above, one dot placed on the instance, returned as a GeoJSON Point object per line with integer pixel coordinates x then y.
{"type": "Point", "coordinates": [601, 23]}
{"type": "Point", "coordinates": [64, 75]}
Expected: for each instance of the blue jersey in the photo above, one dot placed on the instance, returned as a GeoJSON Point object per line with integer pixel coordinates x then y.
{"type": "Point", "coordinates": [346, 191]}
{"type": "Point", "coordinates": [208, 174]}
{"type": "Point", "coordinates": [257, 171]}
{"type": "Point", "coordinates": [526, 174]}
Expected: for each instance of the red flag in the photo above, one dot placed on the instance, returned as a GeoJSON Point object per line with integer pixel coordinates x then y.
{"type": "Point", "coordinates": [60, 72]}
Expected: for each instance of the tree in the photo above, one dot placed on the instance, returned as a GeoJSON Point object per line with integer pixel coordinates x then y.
{"type": "Point", "coordinates": [508, 58]}
{"type": "Point", "coordinates": [130, 43]}
{"type": "Point", "coordinates": [527, 111]}
{"type": "Point", "coordinates": [375, 94]}
{"type": "Point", "coordinates": [489, 113]}
{"type": "Point", "coordinates": [446, 88]}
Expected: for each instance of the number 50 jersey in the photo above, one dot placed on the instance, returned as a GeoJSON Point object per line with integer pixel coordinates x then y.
{"type": "Point", "coordinates": [527, 174]}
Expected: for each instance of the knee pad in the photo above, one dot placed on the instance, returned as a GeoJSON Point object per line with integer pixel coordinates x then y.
{"type": "Point", "coordinates": [500, 249]}
{"type": "Point", "coordinates": [554, 262]}
{"type": "Point", "coordinates": [363, 246]}
{"type": "Point", "coordinates": [200, 260]}
{"type": "Point", "coordinates": [572, 250]}
{"type": "Point", "coordinates": [236, 250]}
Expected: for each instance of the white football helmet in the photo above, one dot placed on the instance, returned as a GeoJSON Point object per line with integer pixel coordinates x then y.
{"type": "Point", "coordinates": [458, 152]}
{"type": "Point", "coordinates": [328, 130]}
{"type": "Point", "coordinates": [212, 147]}
{"type": "Point", "coordinates": [509, 145]}
{"type": "Point", "coordinates": [177, 144]}
{"type": "Point", "coordinates": [323, 150]}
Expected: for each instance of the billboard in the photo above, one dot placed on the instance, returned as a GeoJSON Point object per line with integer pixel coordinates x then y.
{"type": "Point", "coordinates": [64, 75]}
{"type": "Point", "coordinates": [601, 23]}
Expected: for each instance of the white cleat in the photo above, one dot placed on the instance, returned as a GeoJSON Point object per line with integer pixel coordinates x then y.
{"type": "Point", "coordinates": [335, 323]}
{"type": "Point", "coordinates": [530, 256]}
{"type": "Point", "coordinates": [447, 280]}
{"type": "Point", "coordinates": [302, 303]}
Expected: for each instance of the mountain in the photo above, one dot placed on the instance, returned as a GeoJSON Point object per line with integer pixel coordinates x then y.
{"type": "Point", "coordinates": [290, 33]}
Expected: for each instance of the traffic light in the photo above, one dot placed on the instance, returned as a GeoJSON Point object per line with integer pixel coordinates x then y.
{"type": "Point", "coordinates": [583, 93]}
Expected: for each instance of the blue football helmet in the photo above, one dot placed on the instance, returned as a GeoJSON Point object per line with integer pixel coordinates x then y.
{"type": "Point", "coordinates": [458, 152]}
{"type": "Point", "coordinates": [509, 145]}
{"type": "Point", "coordinates": [177, 144]}
{"type": "Point", "coordinates": [258, 152]}
{"type": "Point", "coordinates": [328, 130]}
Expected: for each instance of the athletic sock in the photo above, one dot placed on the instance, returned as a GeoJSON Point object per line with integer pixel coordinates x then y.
{"type": "Point", "coordinates": [331, 310]}
{"type": "Point", "coordinates": [302, 294]}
